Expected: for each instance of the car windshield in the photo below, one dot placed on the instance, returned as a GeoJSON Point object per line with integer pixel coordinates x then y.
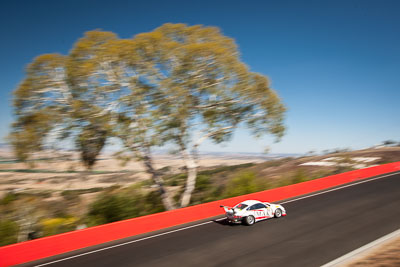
{"type": "Point", "coordinates": [241, 206]}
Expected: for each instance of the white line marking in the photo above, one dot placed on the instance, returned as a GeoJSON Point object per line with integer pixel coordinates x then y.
{"type": "Point", "coordinates": [196, 225]}
{"type": "Point", "coordinates": [362, 249]}
{"type": "Point", "coordinates": [126, 243]}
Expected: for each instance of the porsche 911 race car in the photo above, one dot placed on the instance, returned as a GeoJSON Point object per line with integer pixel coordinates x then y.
{"type": "Point", "coordinates": [251, 211]}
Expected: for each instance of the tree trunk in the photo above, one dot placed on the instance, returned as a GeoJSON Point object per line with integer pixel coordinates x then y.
{"type": "Point", "coordinates": [166, 199]}
{"type": "Point", "coordinates": [190, 159]}
{"type": "Point", "coordinates": [191, 166]}
{"type": "Point", "coordinates": [25, 222]}
{"type": "Point", "coordinates": [23, 231]}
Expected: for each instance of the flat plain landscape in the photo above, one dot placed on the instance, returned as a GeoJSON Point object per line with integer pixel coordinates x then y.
{"type": "Point", "coordinates": [58, 171]}
{"type": "Point", "coordinates": [54, 193]}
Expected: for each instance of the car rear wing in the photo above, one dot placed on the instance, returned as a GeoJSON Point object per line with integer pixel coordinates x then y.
{"type": "Point", "coordinates": [227, 208]}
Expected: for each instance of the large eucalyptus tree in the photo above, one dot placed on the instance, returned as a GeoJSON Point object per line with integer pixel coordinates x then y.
{"type": "Point", "coordinates": [94, 93]}
{"type": "Point", "coordinates": [176, 84]}
{"type": "Point", "coordinates": [206, 90]}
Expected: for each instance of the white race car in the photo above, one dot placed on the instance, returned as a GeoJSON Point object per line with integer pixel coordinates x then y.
{"type": "Point", "coordinates": [251, 211]}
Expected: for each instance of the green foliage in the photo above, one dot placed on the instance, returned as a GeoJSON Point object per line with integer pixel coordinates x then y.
{"type": "Point", "coordinates": [53, 226]}
{"type": "Point", "coordinates": [145, 183]}
{"type": "Point", "coordinates": [206, 188]}
{"type": "Point", "coordinates": [8, 198]}
{"type": "Point", "coordinates": [226, 168]}
{"type": "Point", "coordinates": [28, 132]}
{"type": "Point", "coordinates": [179, 179]}
{"type": "Point", "coordinates": [244, 183]}
{"type": "Point", "coordinates": [215, 194]}
{"type": "Point", "coordinates": [299, 177]}
{"type": "Point", "coordinates": [178, 195]}
{"type": "Point", "coordinates": [175, 180]}
{"type": "Point", "coordinates": [111, 207]}
{"type": "Point", "coordinates": [146, 91]}
{"type": "Point", "coordinates": [8, 232]}
{"type": "Point", "coordinates": [46, 103]}
{"type": "Point", "coordinates": [206, 191]}
{"type": "Point", "coordinates": [90, 142]}
{"type": "Point", "coordinates": [202, 190]}
{"type": "Point", "coordinates": [203, 182]}
{"type": "Point", "coordinates": [283, 181]}
{"type": "Point", "coordinates": [151, 203]}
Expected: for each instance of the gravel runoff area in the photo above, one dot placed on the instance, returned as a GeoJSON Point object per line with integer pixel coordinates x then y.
{"type": "Point", "coordinates": [382, 252]}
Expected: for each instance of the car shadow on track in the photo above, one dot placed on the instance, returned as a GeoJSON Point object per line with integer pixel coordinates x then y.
{"type": "Point", "coordinates": [225, 222]}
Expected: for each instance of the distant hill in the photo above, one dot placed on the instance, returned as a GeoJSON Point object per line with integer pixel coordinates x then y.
{"type": "Point", "coordinates": [250, 154]}
{"type": "Point", "coordinates": [5, 145]}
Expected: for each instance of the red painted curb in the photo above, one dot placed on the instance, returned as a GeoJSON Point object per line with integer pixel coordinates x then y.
{"type": "Point", "coordinates": [57, 244]}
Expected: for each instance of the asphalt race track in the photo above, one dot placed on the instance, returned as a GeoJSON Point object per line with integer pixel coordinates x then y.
{"type": "Point", "coordinates": [317, 230]}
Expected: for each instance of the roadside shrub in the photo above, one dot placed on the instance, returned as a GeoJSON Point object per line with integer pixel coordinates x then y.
{"type": "Point", "coordinates": [202, 183]}
{"type": "Point", "coordinates": [8, 232]}
{"type": "Point", "coordinates": [203, 190]}
{"type": "Point", "coordinates": [299, 177]}
{"type": "Point", "coordinates": [8, 198]}
{"type": "Point", "coordinates": [177, 179]}
{"type": "Point", "coordinates": [178, 195]}
{"type": "Point", "coordinates": [55, 226]}
{"type": "Point", "coordinates": [212, 194]}
{"type": "Point", "coordinates": [112, 207]}
{"type": "Point", "coordinates": [151, 203]}
{"type": "Point", "coordinates": [244, 183]}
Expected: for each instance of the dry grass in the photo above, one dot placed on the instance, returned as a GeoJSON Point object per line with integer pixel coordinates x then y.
{"type": "Point", "coordinates": [386, 255]}
{"type": "Point", "coordinates": [64, 172]}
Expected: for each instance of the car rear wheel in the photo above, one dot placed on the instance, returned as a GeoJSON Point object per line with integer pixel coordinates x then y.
{"type": "Point", "coordinates": [278, 213]}
{"type": "Point", "coordinates": [249, 220]}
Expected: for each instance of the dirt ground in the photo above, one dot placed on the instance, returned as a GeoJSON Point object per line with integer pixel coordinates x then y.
{"type": "Point", "coordinates": [386, 255]}
{"type": "Point", "coordinates": [63, 171]}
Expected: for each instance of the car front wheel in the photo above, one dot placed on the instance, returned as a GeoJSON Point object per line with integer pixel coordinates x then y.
{"type": "Point", "coordinates": [249, 220]}
{"type": "Point", "coordinates": [278, 213]}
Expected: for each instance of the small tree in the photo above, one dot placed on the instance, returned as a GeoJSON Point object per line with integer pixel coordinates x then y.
{"type": "Point", "coordinates": [389, 142]}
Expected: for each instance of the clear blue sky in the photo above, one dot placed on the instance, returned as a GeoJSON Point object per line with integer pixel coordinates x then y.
{"type": "Point", "coordinates": [336, 64]}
